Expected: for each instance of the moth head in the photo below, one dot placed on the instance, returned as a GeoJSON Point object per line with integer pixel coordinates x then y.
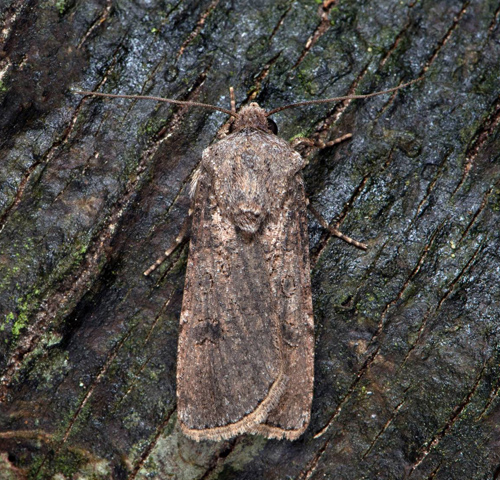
{"type": "Point", "coordinates": [252, 116]}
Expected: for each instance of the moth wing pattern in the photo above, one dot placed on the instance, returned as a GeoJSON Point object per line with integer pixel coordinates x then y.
{"type": "Point", "coordinates": [291, 284]}
{"type": "Point", "coordinates": [246, 340]}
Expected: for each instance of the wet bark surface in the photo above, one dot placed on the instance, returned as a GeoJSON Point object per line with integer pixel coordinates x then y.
{"type": "Point", "coordinates": [92, 191]}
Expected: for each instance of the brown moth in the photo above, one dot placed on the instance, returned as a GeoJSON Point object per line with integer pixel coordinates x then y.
{"type": "Point", "coordinates": [245, 358]}
{"type": "Point", "coordinates": [246, 341]}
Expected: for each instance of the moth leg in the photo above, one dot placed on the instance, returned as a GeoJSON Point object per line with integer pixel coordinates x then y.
{"type": "Point", "coordinates": [226, 128]}
{"type": "Point", "coordinates": [233, 100]}
{"type": "Point", "coordinates": [183, 234]}
{"type": "Point", "coordinates": [335, 231]}
{"type": "Point", "coordinates": [318, 143]}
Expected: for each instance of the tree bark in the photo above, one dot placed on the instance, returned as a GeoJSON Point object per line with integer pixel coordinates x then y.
{"type": "Point", "coordinates": [92, 191]}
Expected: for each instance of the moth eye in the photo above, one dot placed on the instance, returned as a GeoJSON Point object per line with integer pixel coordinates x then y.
{"type": "Point", "coordinates": [271, 124]}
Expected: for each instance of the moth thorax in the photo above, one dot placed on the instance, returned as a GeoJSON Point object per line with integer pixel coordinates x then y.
{"type": "Point", "coordinates": [248, 216]}
{"type": "Point", "coordinates": [251, 116]}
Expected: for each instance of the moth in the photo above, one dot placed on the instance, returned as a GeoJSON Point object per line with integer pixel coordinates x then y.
{"type": "Point", "coordinates": [246, 340]}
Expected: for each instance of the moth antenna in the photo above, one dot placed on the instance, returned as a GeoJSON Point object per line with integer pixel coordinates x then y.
{"type": "Point", "coordinates": [337, 99]}
{"type": "Point", "coordinates": [161, 99]}
{"type": "Point", "coordinates": [233, 100]}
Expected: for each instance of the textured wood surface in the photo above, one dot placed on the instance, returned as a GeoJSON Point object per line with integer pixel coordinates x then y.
{"type": "Point", "coordinates": [93, 191]}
